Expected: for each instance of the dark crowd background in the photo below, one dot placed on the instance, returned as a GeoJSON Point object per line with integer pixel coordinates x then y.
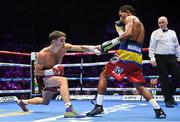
{"type": "Point", "coordinates": [26, 24]}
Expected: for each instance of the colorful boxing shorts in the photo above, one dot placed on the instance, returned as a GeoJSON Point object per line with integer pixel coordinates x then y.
{"type": "Point", "coordinates": [119, 69]}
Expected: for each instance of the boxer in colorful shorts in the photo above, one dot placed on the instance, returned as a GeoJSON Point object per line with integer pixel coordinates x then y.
{"type": "Point", "coordinates": [127, 61]}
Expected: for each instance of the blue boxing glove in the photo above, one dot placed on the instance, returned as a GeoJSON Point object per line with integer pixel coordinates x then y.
{"type": "Point", "coordinates": [106, 46]}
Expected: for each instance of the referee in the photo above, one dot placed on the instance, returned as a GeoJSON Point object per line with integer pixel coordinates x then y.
{"type": "Point", "coordinates": [164, 51]}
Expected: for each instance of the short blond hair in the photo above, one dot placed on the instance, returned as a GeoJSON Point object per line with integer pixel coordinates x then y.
{"type": "Point", "coordinates": [56, 34]}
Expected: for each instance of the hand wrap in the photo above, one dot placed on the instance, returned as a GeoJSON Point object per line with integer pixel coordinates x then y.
{"type": "Point", "coordinates": [58, 69]}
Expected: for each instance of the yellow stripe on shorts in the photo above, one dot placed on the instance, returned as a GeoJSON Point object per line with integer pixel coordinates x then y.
{"type": "Point", "coordinates": [129, 56]}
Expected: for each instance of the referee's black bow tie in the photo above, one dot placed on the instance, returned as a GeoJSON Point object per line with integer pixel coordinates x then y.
{"type": "Point", "coordinates": [165, 30]}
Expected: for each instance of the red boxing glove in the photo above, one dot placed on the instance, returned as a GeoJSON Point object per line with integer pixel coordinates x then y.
{"type": "Point", "coordinates": [58, 69]}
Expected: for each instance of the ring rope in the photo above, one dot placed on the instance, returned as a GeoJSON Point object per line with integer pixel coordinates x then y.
{"type": "Point", "coordinates": [67, 65]}
{"type": "Point", "coordinates": [68, 54]}
{"type": "Point", "coordinates": [111, 78]}
{"type": "Point", "coordinates": [13, 64]}
{"type": "Point", "coordinates": [14, 79]}
{"type": "Point", "coordinates": [94, 64]}
{"type": "Point", "coordinates": [119, 89]}
{"type": "Point", "coordinates": [15, 91]}
{"type": "Point", "coordinates": [84, 89]}
{"type": "Point", "coordinates": [72, 78]}
{"type": "Point", "coordinates": [15, 53]}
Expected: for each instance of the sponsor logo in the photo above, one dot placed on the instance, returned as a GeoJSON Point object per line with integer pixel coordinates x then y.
{"type": "Point", "coordinates": [8, 99]}
{"type": "Point", "coordinates": [118, 70]}
{"type": "Point", "coordinates": [135, 48]}
{"type": "Point", "coordinates": [114, 59]}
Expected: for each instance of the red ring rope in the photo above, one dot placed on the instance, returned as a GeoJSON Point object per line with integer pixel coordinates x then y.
{"type": "Point", "coordinates": [67, 54]}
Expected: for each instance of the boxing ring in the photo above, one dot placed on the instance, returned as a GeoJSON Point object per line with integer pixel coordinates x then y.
{"type": "Point", "coordinates": [122, 103]}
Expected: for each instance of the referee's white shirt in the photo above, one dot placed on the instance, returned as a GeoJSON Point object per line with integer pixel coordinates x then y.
{"type": "Point", "coordinates": [165, 43]}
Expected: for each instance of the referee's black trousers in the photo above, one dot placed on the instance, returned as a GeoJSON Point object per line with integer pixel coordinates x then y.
{"type": "Point", "coordinates": [168, 65]}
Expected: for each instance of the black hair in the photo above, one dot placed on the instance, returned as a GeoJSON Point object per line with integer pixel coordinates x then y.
{"type": "Point", "coordinates": [127, 8]}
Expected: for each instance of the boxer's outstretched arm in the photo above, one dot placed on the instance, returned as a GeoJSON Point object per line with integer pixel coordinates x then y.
{"type": "Point", "coordinates": [84, 48]}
